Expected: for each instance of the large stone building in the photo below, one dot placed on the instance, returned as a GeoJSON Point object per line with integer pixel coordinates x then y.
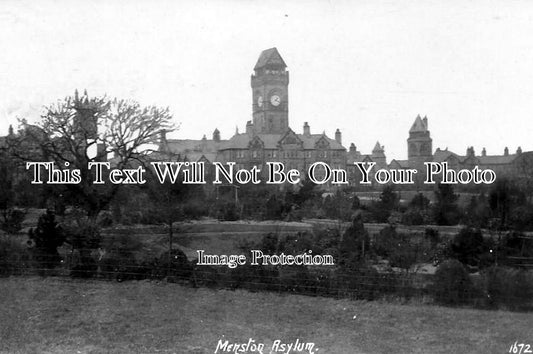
{"type": "Point", "coordinates": [269, 137]}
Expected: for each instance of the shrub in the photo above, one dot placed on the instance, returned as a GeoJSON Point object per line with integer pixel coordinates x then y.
{"type": "Point", "coordinates": [413, 217]}
{"type": "Point", "coordinates": [452, 284]}
{"type": "Point", "coordinates": [509, 288]}
{"type": "Point", "coordinates": [14, 257]}
{"type": "Point", "coordinates": [11, 220]}
{"type": "Point", "coordinates": [119, 260]}
{"type": "Point", "coordinates": [468, 247]}
{"type": "Point", "coordinates": [174, 265]}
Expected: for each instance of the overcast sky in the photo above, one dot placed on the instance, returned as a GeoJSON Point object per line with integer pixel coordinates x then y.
{"type": "Point", "coordinates": [367, 67]}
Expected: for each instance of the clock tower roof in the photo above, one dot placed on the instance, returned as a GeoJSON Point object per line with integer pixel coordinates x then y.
{"type": "Point", "coordinates": [270, 57]}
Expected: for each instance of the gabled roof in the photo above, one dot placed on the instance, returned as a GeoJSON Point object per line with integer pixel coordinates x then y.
{"type": "Point", "coordinates": [290, 137]}
{"type": "Point", "coordinates": [399, 163]}
{"type": "Point", "coordinates": [256, 142]}
{"type": "Point", "coordinates": [377, 147]}
{"type": "Point", "coordinates": [443, 155]}
{"type": "Point", "coordinates": [418, 125]}
{"type": "Point", "coordinates": [198, 156]}
{"type": "Point", "coordinates": [269, 57]}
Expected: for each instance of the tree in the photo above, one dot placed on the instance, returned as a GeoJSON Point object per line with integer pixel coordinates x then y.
{"type": "Point", "coordinates": [10, 217]}
{"type": "Point", "coordinates": [468, 246]}
{"type": "Point", "coordinates": [417, 211]}
{"type": "Point", "coordinates": [80, 130]}
{"type": "Point", "coordinates": [168, 200]}
{"type": "Point", "coordinates": [351, 248]}
{"type": "Point", "coordinates": [477, 212]}
{"type": "Point", "coordinates": [505, 196]}
{"type": "Point", "coordinates": [387, 203]}
{"type": "Point", "coordinates": [47, 237]}
{"type": "Point", "coordinates": [446, 211]}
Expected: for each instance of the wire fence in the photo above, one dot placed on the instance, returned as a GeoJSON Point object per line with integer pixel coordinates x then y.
{"type": "Point", "coordinates": [497, 287]}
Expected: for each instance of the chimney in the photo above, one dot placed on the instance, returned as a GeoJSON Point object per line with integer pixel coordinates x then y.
{"type": "Point", "coordinates": [307, 129]}
{"type": "Point", "coordinates": [352, 147]}
{"type": "Point", "coordinates": [216, 135]}
{"type": "Point", "coordinates": [484, 152]}
{"type": "Point", "coordinates": [425, 120]}
{"type": "Point", "coordinates": [249, 127]}
{"type": "Point", "coordinates": [163, 136]}
{"type": "Point", "coordinates": [338, 136]}
{"type": "Point", "coordinates": [519, 150]}
{"type": "Point", "coordinates": [506, 151]}
{"type": "Point", "coordinates": [470, 151]}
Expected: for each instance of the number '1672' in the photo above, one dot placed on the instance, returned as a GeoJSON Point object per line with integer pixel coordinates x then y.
{"type": "Point", "coordinates": [520, 348]}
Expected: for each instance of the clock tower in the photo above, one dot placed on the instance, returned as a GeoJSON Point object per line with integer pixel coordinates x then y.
{"type": "Point", "coordinates": [270, 82]}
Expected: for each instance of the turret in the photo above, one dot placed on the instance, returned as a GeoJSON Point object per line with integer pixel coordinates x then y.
{"type": "Point", "coordinates": [216, 135]}
{"type": "Point", "coordinates": [338, 136]}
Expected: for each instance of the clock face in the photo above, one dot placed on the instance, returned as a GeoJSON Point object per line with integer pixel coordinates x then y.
{"type": "Point", "coordinates": [260, 101]}
{"type": "Point", "coordinates": [275, 100]}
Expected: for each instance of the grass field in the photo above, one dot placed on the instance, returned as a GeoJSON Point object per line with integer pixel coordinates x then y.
{"type": "Point", "coordinates": [59, 315]}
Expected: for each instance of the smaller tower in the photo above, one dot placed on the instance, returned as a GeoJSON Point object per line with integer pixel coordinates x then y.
{"type": "Point", "coordinates": [216, 135]}
{"type": "Point", "coordinates": [378, 155]}
{"type": "Point", "coordinates": [419, 144]}
{"type": "Point", "coordinates": [338, 136]}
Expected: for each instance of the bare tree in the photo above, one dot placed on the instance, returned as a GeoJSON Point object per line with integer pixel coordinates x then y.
{"type": "Point", "coordinates": [79, 130]}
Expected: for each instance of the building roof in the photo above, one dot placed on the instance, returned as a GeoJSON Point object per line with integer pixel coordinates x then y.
{"type": "Point", "coordinates": [190, 145]}
{"type": "Point", "coordinates": [419, 125]}
{"type": "Point", "coordinates": [271, 141]}
{"type": "Point", "coordinates": [378, 147]}
{"type": "Point", "coordinates": [443, 155]}
{"type": "Point", "coordinates": [197, 156]}
{"type": "Point", "coordinates": [496, 159]}
{"type": "Point", "coordinates": [399, 163]}
{"type": "Point", "coordinates": [269, 57]}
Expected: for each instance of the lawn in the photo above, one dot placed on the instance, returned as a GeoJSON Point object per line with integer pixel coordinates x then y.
{"type": "Point", "coordinates": [60, 315]}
